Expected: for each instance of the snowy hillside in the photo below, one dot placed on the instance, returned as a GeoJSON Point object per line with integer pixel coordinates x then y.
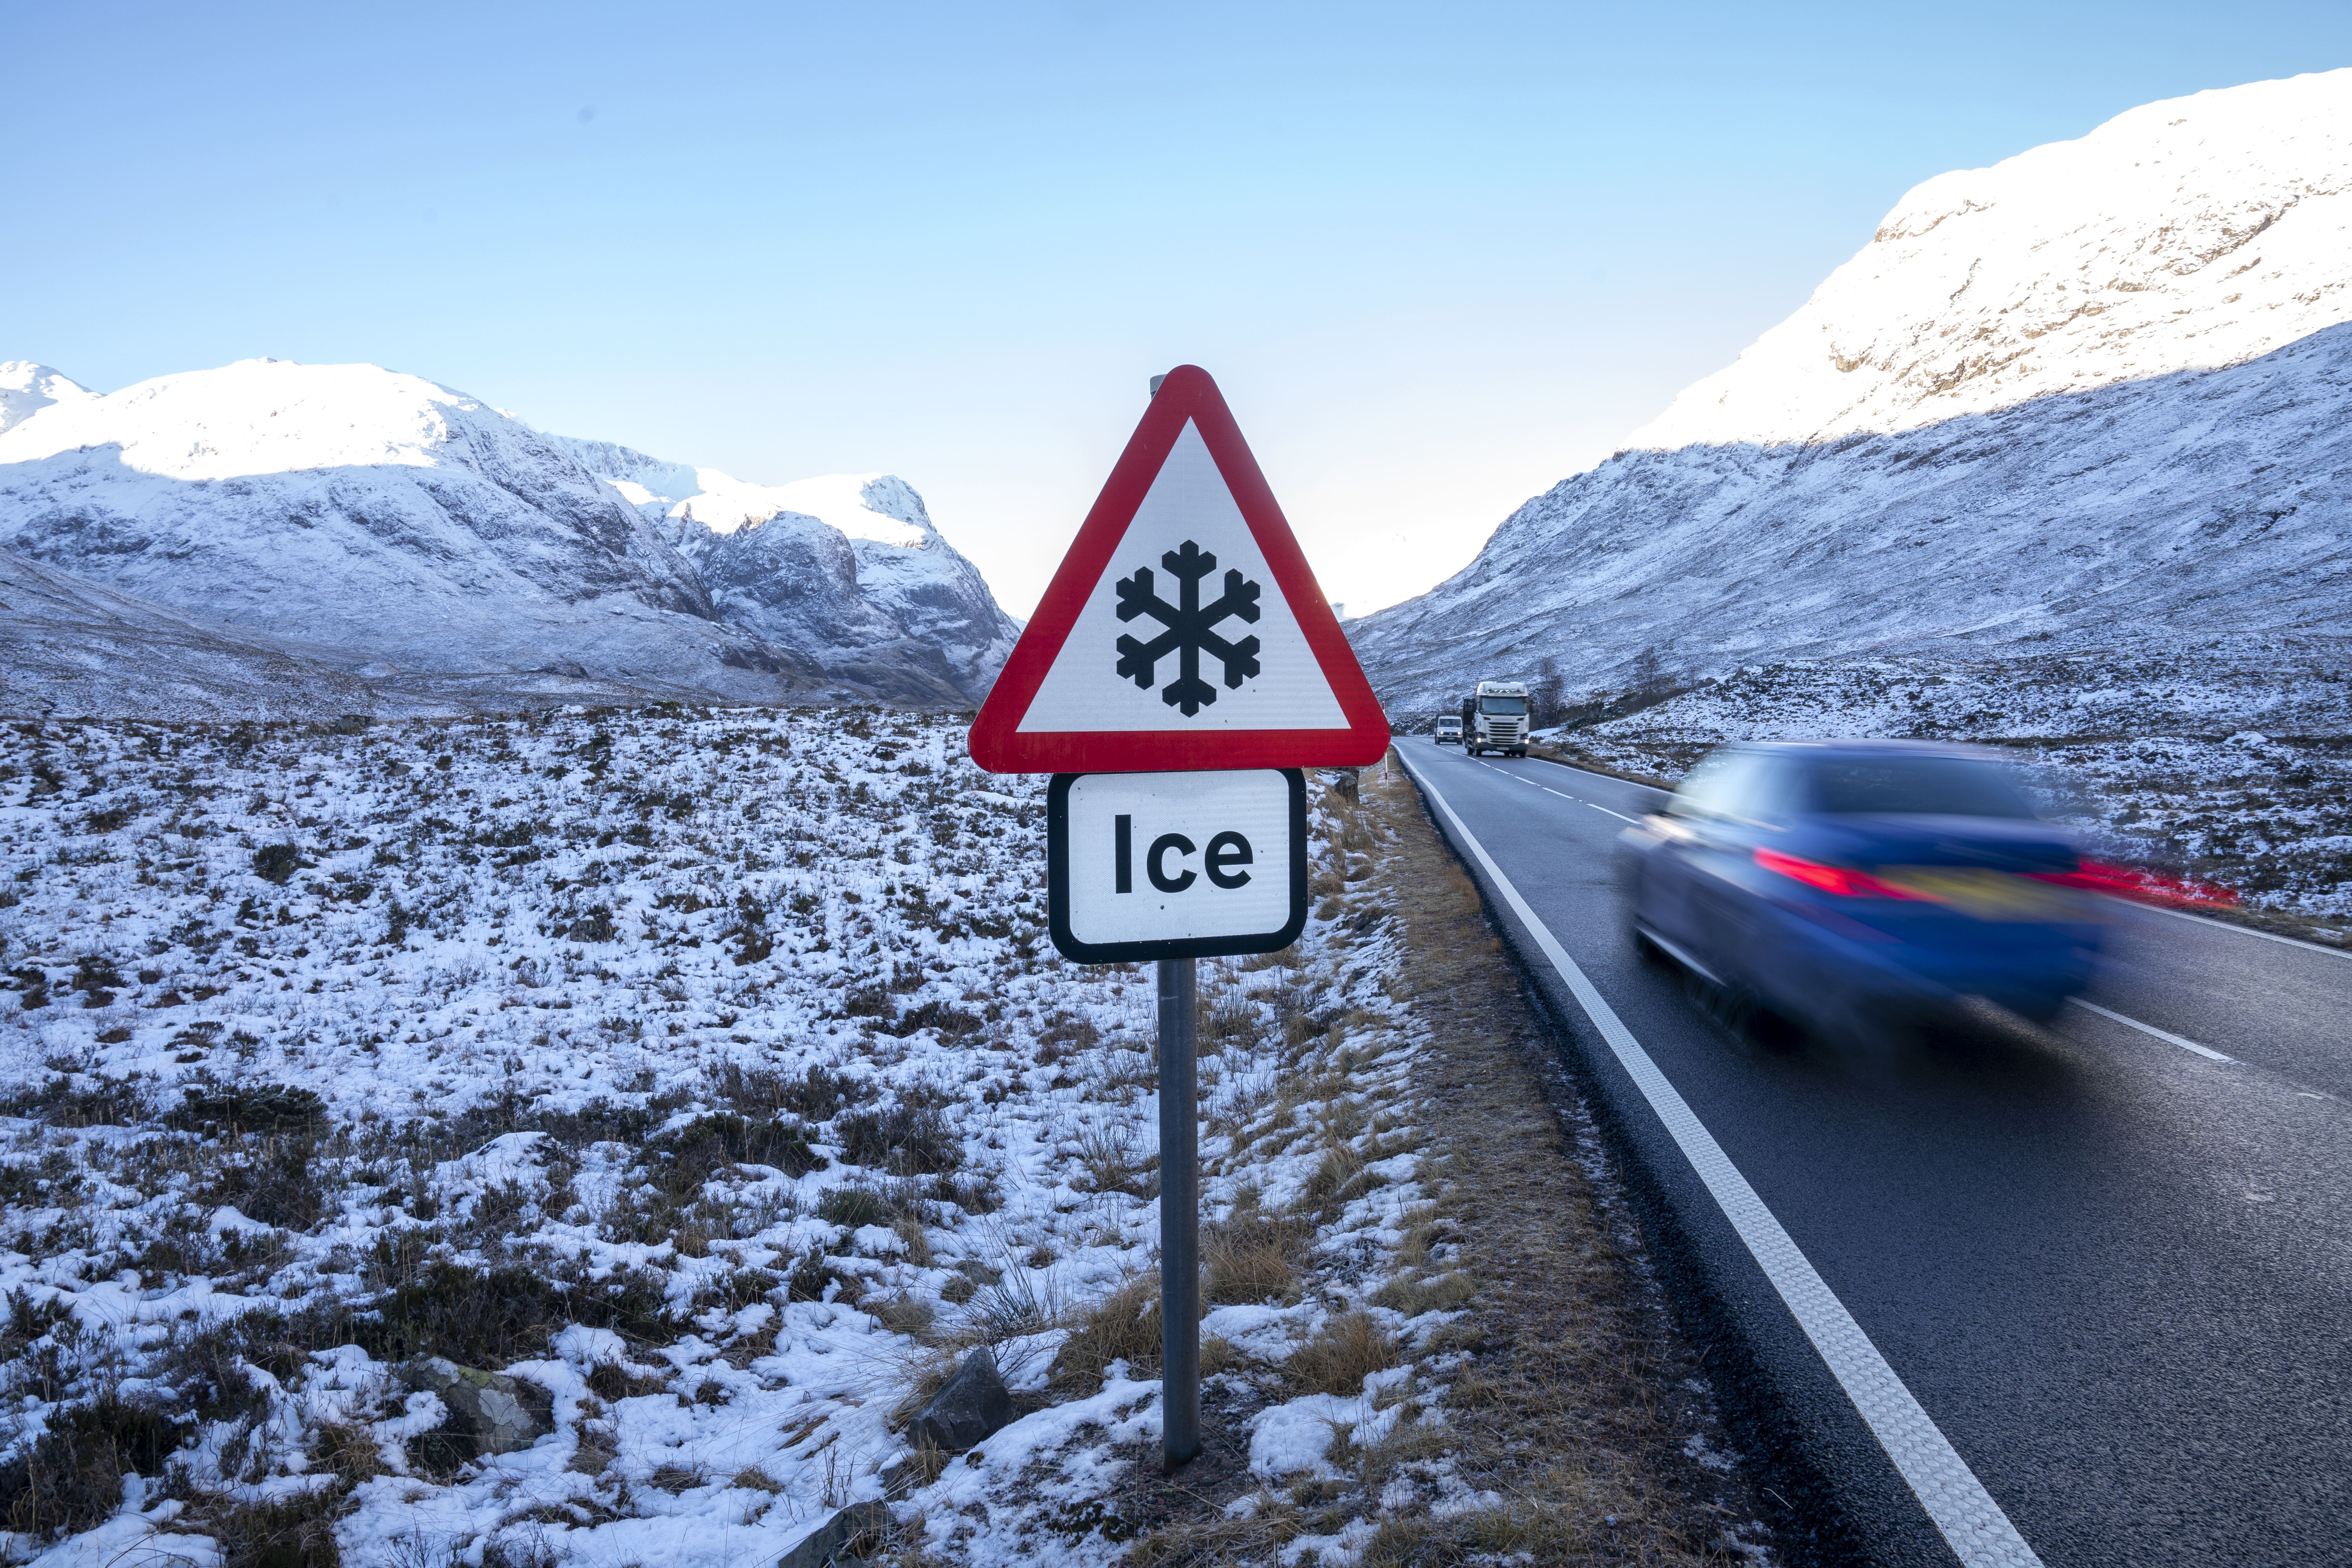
{"type": "Point", "coordinates": [842, 565]}
{"type": "Point", "coordinates": [2182, 235]}
{"type": "Point", "coordinates": [2091, 397]}
{"type": "Point", "coordinates": [2065, 422]}
{"type": "Point", "coordinates": [404, 533]}
{"type": "Point", "coordinates": [27, 388]}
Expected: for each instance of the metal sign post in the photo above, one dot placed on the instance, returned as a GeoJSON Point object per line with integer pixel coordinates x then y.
{"type": "Point", "coordinates": [1179, 672]}
{"type": "Point", "coordinates": [1180, 1213]}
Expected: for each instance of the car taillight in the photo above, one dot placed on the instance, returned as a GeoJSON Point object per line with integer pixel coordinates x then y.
{"type": "Point", "coordinates": [2144, 886]}
{"type": "Point", "coordinates": [1834, 879]}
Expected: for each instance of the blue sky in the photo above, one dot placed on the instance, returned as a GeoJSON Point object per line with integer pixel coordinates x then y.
{"type": "Point", "coordinates": [1438, 257]}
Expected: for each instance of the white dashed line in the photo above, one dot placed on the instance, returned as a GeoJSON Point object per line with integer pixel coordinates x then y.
{"type": "Point", "coordinates": [2207, 1052]}
{"type": "Point", "coordinates": [1548, 790]}
{"type": "Point", "coordinates": [1978, 1532]}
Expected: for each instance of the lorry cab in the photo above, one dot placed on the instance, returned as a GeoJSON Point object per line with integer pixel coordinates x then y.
{"type": "Point", "coordinates": [1499, 719]}
{"type": "Point", "coordinates": [1449, 730]}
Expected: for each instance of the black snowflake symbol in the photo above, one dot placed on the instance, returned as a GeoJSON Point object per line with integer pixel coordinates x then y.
{"type": "Point", "coordinates": [1188, 626]}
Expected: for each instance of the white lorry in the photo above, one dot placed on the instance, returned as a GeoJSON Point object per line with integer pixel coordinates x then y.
{"type": "Point", "coordinates": [1499, 720]}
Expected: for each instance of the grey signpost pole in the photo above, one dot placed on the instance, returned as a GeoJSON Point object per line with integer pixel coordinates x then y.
{"type": "Point", "coordinates": [1179, 1215]}
{"type": "Point", "coordinates": [1180, 1206]}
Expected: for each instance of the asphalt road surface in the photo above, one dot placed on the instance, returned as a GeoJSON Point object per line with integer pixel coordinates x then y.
{"type": "Point", "coordinates": [2114, 1273]}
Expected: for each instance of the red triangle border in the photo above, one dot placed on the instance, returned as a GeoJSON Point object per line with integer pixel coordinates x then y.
{"type": "Point", "coordinates": [996, 741]}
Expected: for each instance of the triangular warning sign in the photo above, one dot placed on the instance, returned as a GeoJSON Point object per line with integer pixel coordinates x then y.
{"type": "Point", "coordinates": [1184, 630]}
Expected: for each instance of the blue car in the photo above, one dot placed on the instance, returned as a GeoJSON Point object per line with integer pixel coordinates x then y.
{"type": "Point", "coordinates": [1844, 881]}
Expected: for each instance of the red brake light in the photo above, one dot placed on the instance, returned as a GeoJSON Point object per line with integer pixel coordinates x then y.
{"type": "Point", "coordinates": [2144, 887]}
{"type": "Point", "coordinates": [1834, 879]}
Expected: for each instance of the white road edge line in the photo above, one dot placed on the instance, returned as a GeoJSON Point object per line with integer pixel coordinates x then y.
{"type": "Point", "coordinates": [2249, 930]}
{"type": "Point", "coordinates": [2207, 1052]}
{"type": "Point", "coordinates": [1974, 1525]}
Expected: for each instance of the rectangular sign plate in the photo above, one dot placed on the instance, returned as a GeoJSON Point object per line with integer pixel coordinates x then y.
{"type": "Point", "coordinates": [1191, 865]}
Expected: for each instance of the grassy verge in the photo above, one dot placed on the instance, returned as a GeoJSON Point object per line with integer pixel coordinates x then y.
{"type": "Point", "coordinates": [1546, 1409]}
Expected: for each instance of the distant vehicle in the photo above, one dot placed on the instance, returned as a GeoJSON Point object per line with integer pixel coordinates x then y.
{"type": "Point", "coordinates": [1837, 882]}
{"type": "Point", "coordinates": [1499, 719]}
{"type": "Point", "coordinates": [1449, 730]}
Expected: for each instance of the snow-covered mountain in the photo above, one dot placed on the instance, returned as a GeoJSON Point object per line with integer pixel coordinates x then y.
{"type": "Point", "coordinates": [2096, 398]}
{"type": "Point", "coordinates": [27, 388]}
{"type": "Point", "coordinates": [419, 540]}
{"type": "Point", "coordinates": [844, 566]}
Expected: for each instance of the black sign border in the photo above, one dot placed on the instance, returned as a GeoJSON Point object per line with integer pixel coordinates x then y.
{"type": "Point", "coordinates": [1057, 888]}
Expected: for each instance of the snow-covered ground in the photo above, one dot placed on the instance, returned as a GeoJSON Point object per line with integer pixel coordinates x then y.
{"type": "Point", "coordinates": [705, 1072]}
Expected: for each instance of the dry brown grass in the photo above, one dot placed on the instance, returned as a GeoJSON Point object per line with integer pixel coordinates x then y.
{"type": "Point", "coordinates": [1351, 1347]}
{"type": "Point", "coordinates": [1218, 1540]}
{"type": "Point", "coordinates": [294, 1530]}
{"type": "Point", "coordinates": [1412, 1295]}
{"type": "Point", "coordinates": [1566, 1386]}
{"type": "Point", "coordinates": [1252, 1258]}
{"type": "Point", "coordinates": [1340, 1168]}
{"type": "Point", "coordinates": [919, 1240]}
{"type": "Point", "coordinates": [349, 1451]}
{"type": "Point", "coordinates": [1574, 1350]}
{"type": "Point", "coordinates": [1231, 1019]}
{"type": "Point", "coordinates": [909, 1315]}
{"type": "Point", "coordinates": [1122, 1326]}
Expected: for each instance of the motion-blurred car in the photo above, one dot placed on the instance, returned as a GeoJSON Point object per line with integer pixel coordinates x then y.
{"type": "Point", "coordinates": [1840, 881]}
{"type": "Point", "coordinates": [1449, 730]}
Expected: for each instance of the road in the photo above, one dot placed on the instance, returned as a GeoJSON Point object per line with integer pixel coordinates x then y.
{"type": "Point", "coordinates": [2114, 1272]}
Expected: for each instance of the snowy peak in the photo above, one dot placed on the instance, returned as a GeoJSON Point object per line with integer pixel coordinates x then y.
{"type": "Point", "coordinates": [648, 484]}
{"type": "Point", "coordinates": [348, 506]}
{"type": "Point", "coordinates": [363, 510]}
{"type": "Point", "coordinates": [2190, 233]}
{"type": "Point", "coordinates": [255, 416]}
{"type": "Point", "coordinates": [27, 388]}
{"type": "Point", "coordinates": [834, 564]}
{"type": "Point", "coordinates": [883, 507]}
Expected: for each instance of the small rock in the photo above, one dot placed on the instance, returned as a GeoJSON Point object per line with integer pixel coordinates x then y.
{"type": "Point", "coordinates": [969, 1409]}
{"type": "Point", "coordinates": [501, 1414]}
{"type": "Point", "coordinates": [826, 1543]}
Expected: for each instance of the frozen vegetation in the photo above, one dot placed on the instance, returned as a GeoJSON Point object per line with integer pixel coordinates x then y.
{"type": "Point", "coordinates": [699, 1086]}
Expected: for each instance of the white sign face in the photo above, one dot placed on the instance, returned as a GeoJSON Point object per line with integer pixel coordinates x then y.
{"type": "Point", "coordinates": [1175, 864]}
{"type": "Point", "coordinates": [1207, 642]}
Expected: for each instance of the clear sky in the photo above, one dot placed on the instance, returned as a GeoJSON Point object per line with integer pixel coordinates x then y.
{"type": "Point", "coordinates": [1439, 256]}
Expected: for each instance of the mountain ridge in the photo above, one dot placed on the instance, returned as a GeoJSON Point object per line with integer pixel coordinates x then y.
{"type": "Point", "coordinates": [370, 512]}
{"type": "Point", "coordinates": [1827, 494]}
